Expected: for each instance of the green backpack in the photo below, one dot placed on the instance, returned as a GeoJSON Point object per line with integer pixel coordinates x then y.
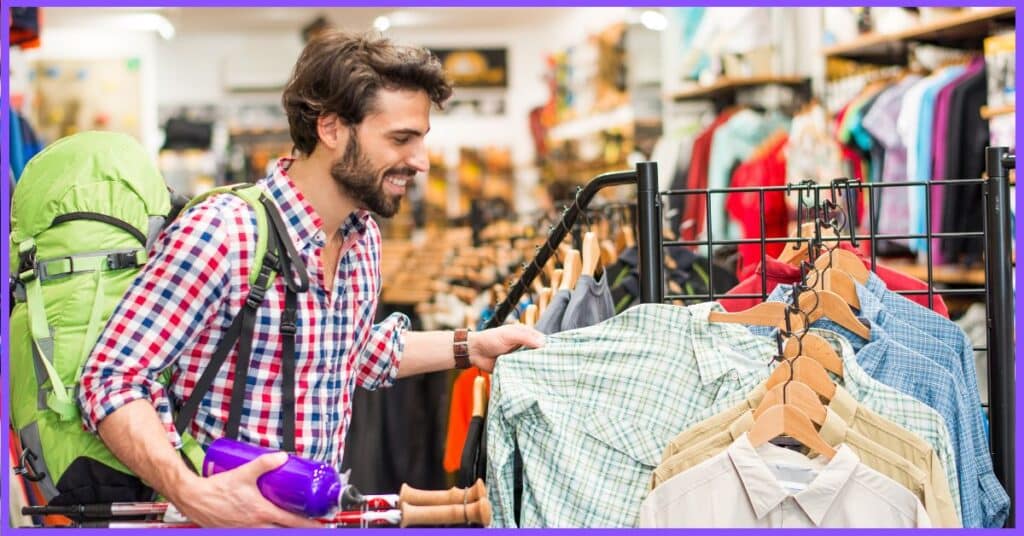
{"type": "Point", "coordinates": [85, 213]}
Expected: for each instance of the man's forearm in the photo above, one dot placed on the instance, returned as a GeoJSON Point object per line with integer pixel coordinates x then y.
{"type": "Point", "coordinates": [426, 351]}
{"type": "Point", "coordinates": [135, 435]}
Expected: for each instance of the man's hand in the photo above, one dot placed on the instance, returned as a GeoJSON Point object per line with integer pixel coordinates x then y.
{"type": "Point", "coordinates": [485, 346]}
{"type": "Point", "coordinates": [231, 499]}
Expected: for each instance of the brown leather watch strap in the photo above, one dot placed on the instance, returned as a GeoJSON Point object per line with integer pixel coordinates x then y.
{"type": "Point", "coordinates": [460, 346]}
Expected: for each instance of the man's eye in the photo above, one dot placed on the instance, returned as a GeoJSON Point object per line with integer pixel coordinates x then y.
{"type": "Point", "coordinates": [403, 140]}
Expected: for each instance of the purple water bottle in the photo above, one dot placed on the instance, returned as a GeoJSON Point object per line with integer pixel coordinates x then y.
{"type": "Point", "coordinates": [299, 486]}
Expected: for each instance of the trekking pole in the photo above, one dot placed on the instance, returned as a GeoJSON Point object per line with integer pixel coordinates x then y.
{"type": "Point", "coordinates": [98, 511]}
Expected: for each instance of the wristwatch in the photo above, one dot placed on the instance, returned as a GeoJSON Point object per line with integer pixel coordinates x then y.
{"type": "Point", "coordinates": [460, 346]}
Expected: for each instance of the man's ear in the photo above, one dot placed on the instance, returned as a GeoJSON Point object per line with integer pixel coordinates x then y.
{"type": "Point", "coordinates": [332, 131]}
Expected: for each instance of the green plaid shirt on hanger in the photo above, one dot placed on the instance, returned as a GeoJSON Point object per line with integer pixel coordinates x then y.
{"type": "Point", "coordinates": [593, 410]}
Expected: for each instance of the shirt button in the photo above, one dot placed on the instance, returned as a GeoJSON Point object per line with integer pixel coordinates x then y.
{"type": "Point", "coordinates": [735, 375]}
{"type": "Point", "coordinates": [320, 237]}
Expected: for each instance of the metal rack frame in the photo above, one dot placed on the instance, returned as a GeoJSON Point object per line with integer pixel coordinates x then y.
{"type": "Point", "coordinates": [998, 289]}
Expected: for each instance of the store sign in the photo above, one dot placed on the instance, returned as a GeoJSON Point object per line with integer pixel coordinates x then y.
{"type": "Point", "coordinates": [478, 67]}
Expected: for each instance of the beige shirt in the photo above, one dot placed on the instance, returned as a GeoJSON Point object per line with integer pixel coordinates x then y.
{"type": "Point", "coordinates": [834, 431]}
{"type": "Point", "coordinates": [771, 487]}
{"type": "Point", "coordinates": [871, 425]}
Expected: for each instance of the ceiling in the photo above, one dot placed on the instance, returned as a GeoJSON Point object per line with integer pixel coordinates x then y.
{"type": "Point", "coordinates": [199, 19]}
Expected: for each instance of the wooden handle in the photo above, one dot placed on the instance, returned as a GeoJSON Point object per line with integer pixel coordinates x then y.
{"type": "Point", "coordinates": [479, 396]}
{"type": "Point", "coordinates": [477, 513]}
{"type": "Point", "coordinates": [571, 270]}
{"type": "Point", "coordinates": [543, 299]}
{"type": "Point", "coordinates": [421, 497]}
{"type": "Point", "coordinates": [591, 254]}
{"type": "Point", "coordinates": [556, 279]}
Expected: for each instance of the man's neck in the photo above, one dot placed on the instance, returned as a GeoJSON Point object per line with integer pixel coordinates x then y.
{"type": "Point", "coordinates": [318, 187]}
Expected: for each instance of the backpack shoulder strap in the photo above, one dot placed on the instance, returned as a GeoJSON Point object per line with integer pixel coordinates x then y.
{"type": "Point", "coordinates": [250, 193]}
{"type": "Point", "coordinates": [275, 254]}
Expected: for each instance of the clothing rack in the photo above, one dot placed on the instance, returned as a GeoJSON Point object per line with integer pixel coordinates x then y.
{"type": "Point", "coordinates": [998, 289]}
{"type": "Point", "coordinates": [645, 177]}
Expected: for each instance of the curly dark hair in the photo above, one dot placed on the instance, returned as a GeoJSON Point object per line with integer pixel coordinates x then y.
{"type": "Point", "coordinates": [340, 72]}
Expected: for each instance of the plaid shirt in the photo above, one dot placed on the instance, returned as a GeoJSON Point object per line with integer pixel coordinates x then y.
{"type": "Point", "coordinates": [593, 410]}
{"type": "Point", "coordinates": [193, 286]}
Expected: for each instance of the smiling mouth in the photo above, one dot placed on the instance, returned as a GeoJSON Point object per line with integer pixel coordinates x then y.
{"type": "Point", "coordinates": [398, 180]}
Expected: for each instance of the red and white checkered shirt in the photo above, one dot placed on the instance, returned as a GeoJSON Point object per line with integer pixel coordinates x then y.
{"type": "Point", "coordinates": [196, 281]}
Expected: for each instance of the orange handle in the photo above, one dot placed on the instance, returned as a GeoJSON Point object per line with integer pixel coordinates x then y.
{"type": "Point", "coordinates": [477, 513]}
{"type": "Point", "coordinates": [421, 497]}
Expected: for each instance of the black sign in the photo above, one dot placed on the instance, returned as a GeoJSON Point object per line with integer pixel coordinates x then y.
{"type": "Point", "coordinates": [475, 67]}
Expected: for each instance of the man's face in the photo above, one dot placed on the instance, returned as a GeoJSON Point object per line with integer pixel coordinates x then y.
{"type": "Point", "coordinates": [385, 151]}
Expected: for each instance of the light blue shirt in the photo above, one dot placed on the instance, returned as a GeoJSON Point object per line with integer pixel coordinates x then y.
{"type": "Point", "coordinates": [919, 219]}
{"type": "Point", "coordinates": [888, 359]}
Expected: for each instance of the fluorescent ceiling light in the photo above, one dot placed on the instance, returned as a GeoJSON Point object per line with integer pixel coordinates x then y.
{"type": "Point", "coordinates": [148, 22]}
{"type": "Point", "coordinates": [653, 20]}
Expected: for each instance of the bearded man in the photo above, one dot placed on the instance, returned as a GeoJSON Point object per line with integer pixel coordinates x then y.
{"type": "Point", "coordinates": [358, 110]}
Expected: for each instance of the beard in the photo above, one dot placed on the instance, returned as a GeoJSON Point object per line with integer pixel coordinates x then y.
{"type": "Point", "coordinates": [355, 175]}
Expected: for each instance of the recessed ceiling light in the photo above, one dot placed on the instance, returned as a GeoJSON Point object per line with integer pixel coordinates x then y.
{"type": "Point", "coordinates": [653, 20]}
{"type": "Point", "coordinates": [382, 23]}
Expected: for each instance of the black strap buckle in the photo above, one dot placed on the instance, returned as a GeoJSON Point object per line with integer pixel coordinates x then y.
{"type": "Point", "coordinates": [124, 259]}
{"type": "Point", "coordinates": [288, 326]}
{"type": "Point", "coordinates": [27, 261]}
{"type": "Point", "coordinates": [255, 298]}
{"type": "Point", "coordinates": [26, 467]}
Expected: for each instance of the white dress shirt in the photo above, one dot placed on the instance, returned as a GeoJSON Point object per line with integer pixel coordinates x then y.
{"type": "Point", "coordinates": [770, 486]}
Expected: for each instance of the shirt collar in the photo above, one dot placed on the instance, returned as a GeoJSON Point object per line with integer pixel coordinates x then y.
{"type": "Point", "coordinates": [844, 405]}
{"type": "Point", "coordinates": [300, 215]}
{"type": "Point", "coordinates": [823, 491]}
{"type": "Point", "coordinates": [720, 348]}
{"type": "Point", "coordinates": [764, 492]}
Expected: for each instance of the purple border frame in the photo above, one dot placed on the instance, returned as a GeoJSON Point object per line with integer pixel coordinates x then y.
{"type": "Point", "coordinates": [5, 163]}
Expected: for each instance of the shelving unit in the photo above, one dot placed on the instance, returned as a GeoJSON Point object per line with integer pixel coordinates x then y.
{"type": "Point", "coordinates": [990, 112]}
{"type": "Point", "coordinates": [949, 275]}
{"type": "Point", "coordinates": [726, 88]}
{"type": "Point", "coordinates": [959, 30]}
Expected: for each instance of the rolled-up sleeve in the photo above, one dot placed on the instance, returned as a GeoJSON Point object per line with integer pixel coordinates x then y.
{"type": "Point", "coordinates": [186, 277]}
{"type": "Point", "coordinates": [382, 354]}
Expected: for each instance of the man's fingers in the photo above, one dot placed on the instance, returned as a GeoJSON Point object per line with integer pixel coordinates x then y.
{"type": "Point", "coordinates": [529, 337]}
{"type": "Point", "coordinates": [268, 462]}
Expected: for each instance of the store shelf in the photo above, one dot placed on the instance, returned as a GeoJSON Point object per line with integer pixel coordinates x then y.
{"type": "Point", "coordinates": [592, 124]}
{"type": "Point", "coordinates": [726, 87]}
{"type": "Point", "coordinates": [989, 113]}
{"type": "Point", "coordinates": [957, 30]}
{"type": "Point", "coordinates": [950, 275]}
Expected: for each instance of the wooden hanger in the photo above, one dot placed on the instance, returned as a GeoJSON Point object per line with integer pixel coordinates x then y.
{"type": "Point", "coordinates": [827, 304]}
{"type": "Point", "coordinates": [571, 270]}
{"type": "Point", "coordinates": [816, 348]}
{"type": "Point", "coordinates": [543, 299]}
{"type": "Point", "coordinates": [479, 396]}
{"type": "Point", "coordinates": [530, 315]}
{"type": "Point", "coordinates": [796, 393]}
{"type": "Point", "coordinates": [549, 269]}
{"type": "Point", "coordinates": [591, 254]}
{"type": "Point", "coordinates": [788, 420]}
{"type": "Point", "coordinates": [847, 261]}
{"type": "Point", "coordinates": [839, 282]}
{"type": "Point", "coordinates": [608, 253]}
{"type": "Point", "coordinates": [536, 285]}
{"type": "Point", "coordinates": [556, 279]}
{"type": "Point", "coordinates": [805, 370]}
{"type": "Point", "coordinates": [794, 255]}
{"type": "Point", "coordinates": [769, 314]}
{"type": "Point", "coordinates": [817, 304]}
{"type": "Point", "coordinates": [624, 239]}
